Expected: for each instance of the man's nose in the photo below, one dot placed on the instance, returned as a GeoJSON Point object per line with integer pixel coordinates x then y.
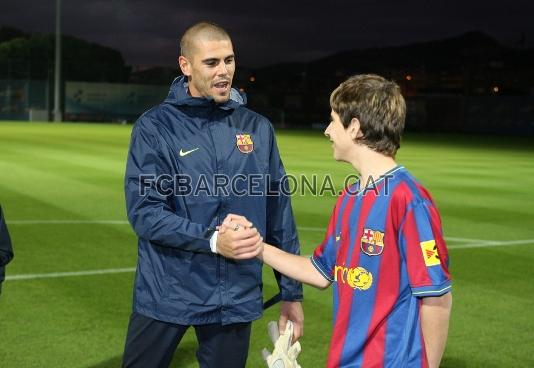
{"type": "Point", "coordinates": [223, 69]}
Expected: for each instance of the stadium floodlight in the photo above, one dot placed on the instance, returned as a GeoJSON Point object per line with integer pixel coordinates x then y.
{"type": "Point", "coordinates": [57, 72]}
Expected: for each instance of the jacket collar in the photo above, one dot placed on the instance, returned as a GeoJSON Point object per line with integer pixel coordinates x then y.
{"type": "Point", "coordinates": [178, 95]}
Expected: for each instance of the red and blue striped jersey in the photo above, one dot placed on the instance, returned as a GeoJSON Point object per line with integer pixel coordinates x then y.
{"type": "Point", "coordinates": [383, 251]}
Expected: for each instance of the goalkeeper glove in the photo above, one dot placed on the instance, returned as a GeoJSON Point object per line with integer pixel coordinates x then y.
{"type": "Point", "coordinates": [284, 354]}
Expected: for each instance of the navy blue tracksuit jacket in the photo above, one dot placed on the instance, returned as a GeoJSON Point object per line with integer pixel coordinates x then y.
{"type": "Point", "coordinates": [188, 143]}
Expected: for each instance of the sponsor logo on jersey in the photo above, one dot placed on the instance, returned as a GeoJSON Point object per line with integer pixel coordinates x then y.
{"type": "Point", "coordinates": [430, 253]}
{"type": "Point", "coordinates": [357, 278]}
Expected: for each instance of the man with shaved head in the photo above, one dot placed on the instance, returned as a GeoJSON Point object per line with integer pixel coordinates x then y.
{"type": "Point", "coordinates": [203, 47]}
{"type": "Point", "coordinates": [198, 158]}
{"type": "Point", "coordinates": [201, 31]}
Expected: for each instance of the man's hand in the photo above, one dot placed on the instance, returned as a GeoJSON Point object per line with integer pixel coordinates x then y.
{"type": "Point", "coordinates": [234, 222]}
{"type": "Point", "coordinates": [292, 311]}
{"type": "Point", "coordinates": [237, 238]}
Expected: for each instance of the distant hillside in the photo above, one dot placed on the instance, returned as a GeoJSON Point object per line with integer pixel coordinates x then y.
{"type": "Point", "coordinates": [9, 33]}
{"type": "Point", "coordinates": [24, 56]}
{"type": "Point", "coordinates": [470, 60]}
{"type": "Point", "coordinates": [469, 64]}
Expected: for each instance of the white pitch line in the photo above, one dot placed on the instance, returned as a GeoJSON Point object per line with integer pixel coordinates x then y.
{"type": "Point", "coordinates": [470, 243]}
{"type": "Point", "coordinates": [132, 269]}
{"type": "Point", "coordinates": [311, 228]}
{"type": "Point", "coordinates": [492, 244]}
{"type": "Point", "coordinates": [104, 222]}
{"type": "Point", "coordinates": [448, 238]}
{"type": "Point", "coordinates": [67, 222]}
{"type": "Point", "coordinates": [66, 274]}
{"type": "Point", "coordinates": [467, 240]}
{"type": "Point", "coordinates": [477, 242]}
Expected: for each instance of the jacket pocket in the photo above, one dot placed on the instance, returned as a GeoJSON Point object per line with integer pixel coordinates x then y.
{"type": "Point", "coordinates": [191, 278]}
{"type": "Point", "coordinates": [245, 280]}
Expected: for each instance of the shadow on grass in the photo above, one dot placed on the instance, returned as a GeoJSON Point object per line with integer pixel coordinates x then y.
{"type": "Point", "coordinates": [111, 363]}
{"type": "Point", "coordinates": [183, 357]}
{"type": "Point", "coordinates": [452, 363]}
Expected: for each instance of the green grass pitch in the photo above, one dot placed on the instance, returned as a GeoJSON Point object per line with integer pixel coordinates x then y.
{"type": "Point", "coordinates": [484, 188]}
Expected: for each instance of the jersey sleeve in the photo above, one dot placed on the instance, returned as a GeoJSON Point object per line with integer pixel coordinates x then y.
{"type": "Point", "coordinates": [324, 256]}
{"type": "Point", "coordinates": [424, 250]}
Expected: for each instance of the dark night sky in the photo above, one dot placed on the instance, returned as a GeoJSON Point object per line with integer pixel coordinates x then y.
{"type": "Point", "coordinates": [267, 32]}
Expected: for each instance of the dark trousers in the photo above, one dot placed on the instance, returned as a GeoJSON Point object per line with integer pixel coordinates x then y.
{"type": "Point", "coordinates": [151, 343]}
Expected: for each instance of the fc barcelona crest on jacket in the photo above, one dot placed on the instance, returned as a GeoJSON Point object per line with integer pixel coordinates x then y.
{"type": "Point", "coordinates": [372, 242]}
{"type": "Point", "coordinates": [244, 143]}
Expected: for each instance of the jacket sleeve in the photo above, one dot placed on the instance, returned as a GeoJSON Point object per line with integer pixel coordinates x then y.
{"type": "Point", "coordinates": [150, 212]}
{"type": "Point", "coordinates": [6, 250]}
{"type": "Point", "coordinates": [281, 230]}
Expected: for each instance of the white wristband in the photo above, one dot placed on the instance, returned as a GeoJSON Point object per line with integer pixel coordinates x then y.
{"type": "Point", "coordinates": [213, 241]}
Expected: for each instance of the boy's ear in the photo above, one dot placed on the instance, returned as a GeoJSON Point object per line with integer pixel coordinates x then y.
{"type": "Point", "coordinates": [354, 129]}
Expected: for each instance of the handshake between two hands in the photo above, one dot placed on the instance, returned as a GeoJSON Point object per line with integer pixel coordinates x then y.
{"type": "Point", "coordinates": [238, 238]}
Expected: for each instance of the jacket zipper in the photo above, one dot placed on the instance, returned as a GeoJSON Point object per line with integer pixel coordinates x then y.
{"type": "Point", "coordinates": [223, 279]}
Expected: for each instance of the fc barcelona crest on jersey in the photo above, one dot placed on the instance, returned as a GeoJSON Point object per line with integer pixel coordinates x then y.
{"type": "Point", "coordinates": [244, 143]}
{"type": "Point", "coordinates": [372, 242]}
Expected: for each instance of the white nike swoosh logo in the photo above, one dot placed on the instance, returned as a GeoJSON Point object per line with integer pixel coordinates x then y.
{"type": "Point", "coordinates": [184, 153]}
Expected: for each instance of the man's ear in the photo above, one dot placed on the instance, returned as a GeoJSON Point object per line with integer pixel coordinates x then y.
{"type": "Point", "coordinates": [354, 129]}
{"type": "Point", "coordinates": [185, 65]}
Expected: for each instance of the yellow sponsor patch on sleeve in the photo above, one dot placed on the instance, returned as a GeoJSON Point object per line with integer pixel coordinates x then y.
{"type": "Point", "coordinates": [430, 253]}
